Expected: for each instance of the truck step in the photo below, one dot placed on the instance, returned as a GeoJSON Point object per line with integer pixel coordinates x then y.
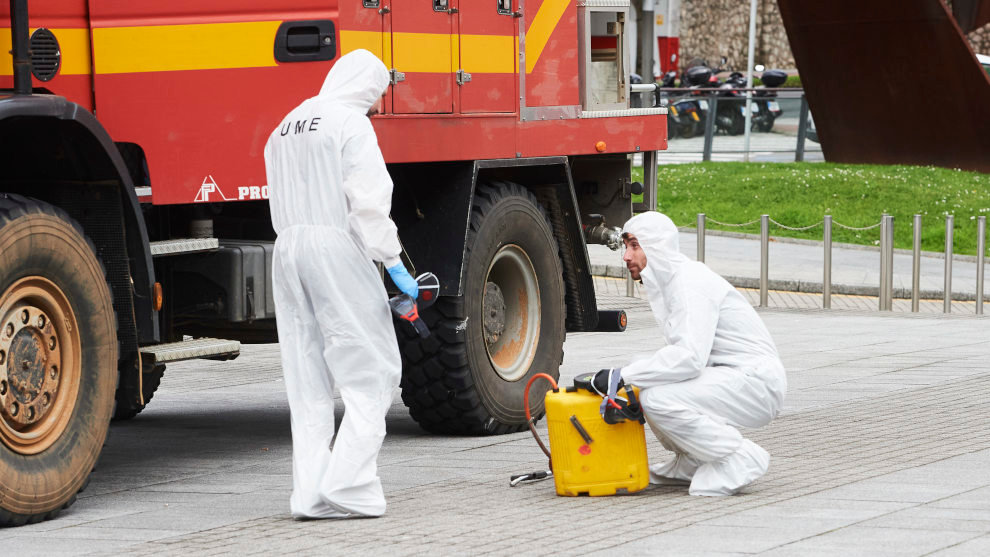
{"type": "Point", "coordinates": [205, 348]}
{"type": "Point", "coordinates": [181, 246]}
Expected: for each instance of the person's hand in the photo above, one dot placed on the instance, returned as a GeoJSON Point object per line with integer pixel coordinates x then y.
{"type": "Point", "coordinates": [601, 381]}
{"type": "Point", "coordinates": [402, 279]}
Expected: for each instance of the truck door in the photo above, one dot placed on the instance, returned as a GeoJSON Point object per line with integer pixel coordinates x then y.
{"type": "Point", "coordinates": [422, 57]}
{"type": "Point", "coordinates": [487, 40]}
{"type": "Point", "coordinates": [200, 85]}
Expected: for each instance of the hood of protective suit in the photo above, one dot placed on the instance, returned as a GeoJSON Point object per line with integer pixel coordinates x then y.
{"type": "Point", "coordinates": [357, 80]}
{"type": "Point", "coordinates": [658, 237]}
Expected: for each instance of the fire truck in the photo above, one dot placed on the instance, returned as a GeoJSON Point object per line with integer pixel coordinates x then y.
{"type": "Point", "coordinates": [135, 231]}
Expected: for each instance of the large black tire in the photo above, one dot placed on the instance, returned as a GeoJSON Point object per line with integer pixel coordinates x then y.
{"type": "Point", "coordinates": [126, 407]}
{"type": "Point", "coordinates": [469, 376]}
{"type": "Point", "coordinates": [58, 395]}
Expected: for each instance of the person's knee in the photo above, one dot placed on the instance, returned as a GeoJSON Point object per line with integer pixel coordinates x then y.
{"type": "Point", "coordinates": [660, 402]}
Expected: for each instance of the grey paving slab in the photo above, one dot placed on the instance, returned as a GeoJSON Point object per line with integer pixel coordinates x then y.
{"type": "Point", "coordinates": [862, 540]}
{"type": "Point", "coordinates": [974, 546]}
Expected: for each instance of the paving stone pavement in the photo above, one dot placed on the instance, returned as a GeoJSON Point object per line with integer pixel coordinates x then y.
{"type": "Point", "coordinates": [883, 448]}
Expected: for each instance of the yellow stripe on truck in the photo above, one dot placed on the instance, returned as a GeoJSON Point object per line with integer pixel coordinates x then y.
{"type": "Point", "coordinates": [73, 44]}
{"type": "Point", "coordinates": [539, 31]}
{"type": "Point", "coordinates": [167, 48]}
{"type": "Point", "coordinates": [368, 40]}
{"type": "Point", "coordinates": [428, 52]}
{"type": "Point", "coordinates": [161, 48]}
{"type": "Point", "coordinates": [422, 53]}
{"type": "Point", "coordinates": [488, 53]}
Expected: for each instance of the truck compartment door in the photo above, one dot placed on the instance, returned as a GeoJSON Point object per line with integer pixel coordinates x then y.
{"type": "Point", "coordinates": [488, 44]}
{"type": "Point", "coordinates": [422, 57]}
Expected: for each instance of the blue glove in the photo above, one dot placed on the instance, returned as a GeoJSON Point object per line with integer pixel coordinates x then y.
{"type": "Point", "coordinates": [402, 279]}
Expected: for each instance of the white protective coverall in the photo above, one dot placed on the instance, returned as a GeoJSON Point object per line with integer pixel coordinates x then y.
{"type": "Point", "coordinates": [718, 371]}
{"type": "Point", "coordinates": [330, 199]}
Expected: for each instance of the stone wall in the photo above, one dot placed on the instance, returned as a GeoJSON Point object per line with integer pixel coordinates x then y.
{"type": "Point", "coordinates": [980, 39]}
{"type": "Point", "coordinates": [711, 29]}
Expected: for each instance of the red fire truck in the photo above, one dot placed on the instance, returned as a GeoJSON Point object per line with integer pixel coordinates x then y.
{"type": "Point", "coordinates": [134, 229]}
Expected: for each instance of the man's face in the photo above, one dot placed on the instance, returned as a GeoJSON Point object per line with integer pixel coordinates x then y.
{"type": "Point", "coordinates": [377, 107]}
{"type": "Point", "coordinates": [634, 257]}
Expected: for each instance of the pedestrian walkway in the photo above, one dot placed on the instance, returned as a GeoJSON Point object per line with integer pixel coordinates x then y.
{"type": "Point", "coordinates": [797, 266]}
{"type": "Point", "coordinates": [882, 448]}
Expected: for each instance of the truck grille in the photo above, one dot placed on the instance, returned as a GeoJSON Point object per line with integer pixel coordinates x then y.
{"type": "Point", "coordinates": [46, 57]}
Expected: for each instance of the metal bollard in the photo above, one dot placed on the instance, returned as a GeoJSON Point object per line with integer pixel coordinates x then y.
{"type": "Point", "coordinates": [886, 262]}
{"type": "Point", "coordinates": [890, 263]}
{"type": "Point", "coordinates": [947, 294]}
{"type": "Point", "coordinates": [764, 257]}
{"type": "Point", "coordinates": [883, 262]}
{"type": "Point", "coordinates": [630, 286]}
{"type": "Point", "coordinates": [802, 130]}
{"type": "Point", "coordinates": [916, 266]}
{"type": "Point", "coordinates": [701, 237]}
{"type": "Point", "coordinates": [981, 234]}
{"type": "Point", "coordinates": [709, 127]}
{"type": "Point", "coordinates": [827, 278]}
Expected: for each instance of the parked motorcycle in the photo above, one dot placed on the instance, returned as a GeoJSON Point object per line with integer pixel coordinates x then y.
{"type": "Point", "coordinates": [769, 108]}
{"type": "Point", "coordinates": [730, 114]}
{"type": "Point", "coordinates": [683, 112]}
{"type": "Point", "coordinates": [728, 117]}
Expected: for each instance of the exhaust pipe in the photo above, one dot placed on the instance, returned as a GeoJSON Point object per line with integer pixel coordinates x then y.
{"type": "Point", "coordinates": [20, 42]}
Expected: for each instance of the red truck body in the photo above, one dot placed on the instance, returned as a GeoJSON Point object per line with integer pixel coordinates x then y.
{"type": "Point", "coordinates": [137, 65]}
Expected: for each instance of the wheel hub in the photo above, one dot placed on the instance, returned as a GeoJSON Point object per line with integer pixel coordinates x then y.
{"type": "Point", "coordinates": [39, 364]}
{"type": "Point", "coordinates": [28, 376]}
{"type": "Point", "coordinates": [494, 312]}
{"type": "Point", "coordinates": [511, 313]}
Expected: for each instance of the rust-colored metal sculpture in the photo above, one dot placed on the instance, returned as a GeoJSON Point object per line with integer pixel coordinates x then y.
{"type": "Point", "coordinates": [893, 81]}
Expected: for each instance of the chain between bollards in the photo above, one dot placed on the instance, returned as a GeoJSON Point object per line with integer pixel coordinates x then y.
{"type": "Point", "coordinates": [886, 289]}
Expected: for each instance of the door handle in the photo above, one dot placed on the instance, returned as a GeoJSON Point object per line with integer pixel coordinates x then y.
{"type": "Point", "coordinates": [305, 41]}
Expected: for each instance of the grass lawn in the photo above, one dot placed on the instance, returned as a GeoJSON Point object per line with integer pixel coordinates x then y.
{"type": "Point", "coordinates": [800, 194]}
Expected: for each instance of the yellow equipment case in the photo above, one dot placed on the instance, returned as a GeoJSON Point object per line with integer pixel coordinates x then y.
{"type": "Point", "coordinates": [590, 456]}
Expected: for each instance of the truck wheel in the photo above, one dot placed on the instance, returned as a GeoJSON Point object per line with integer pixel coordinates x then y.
{"type": "Point", "coordinates": [58, 360]}
{"type": "Point", "coordinates": [469, 376]}
{"type": "Point", "coordinates": [126, 408]}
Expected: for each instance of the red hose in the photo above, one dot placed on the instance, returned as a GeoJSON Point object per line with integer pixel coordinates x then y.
{"type": "Point", "coordinates": [529, 417]}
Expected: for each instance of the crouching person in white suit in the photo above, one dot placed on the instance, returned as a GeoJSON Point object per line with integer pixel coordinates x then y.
{"type": "Point", "coordinates": [718, 371]}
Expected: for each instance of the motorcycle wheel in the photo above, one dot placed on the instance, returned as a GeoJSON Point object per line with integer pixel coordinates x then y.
{"type": "Point", "coordinates": [691, 129]}
{"type": "Point", "coordinates": [764, 125]}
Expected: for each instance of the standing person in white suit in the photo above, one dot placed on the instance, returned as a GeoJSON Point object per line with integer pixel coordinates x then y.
{"type": "Point", "coordinates": [330, 196]}
{"type": "Point", "coordinates": [718, 371]}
